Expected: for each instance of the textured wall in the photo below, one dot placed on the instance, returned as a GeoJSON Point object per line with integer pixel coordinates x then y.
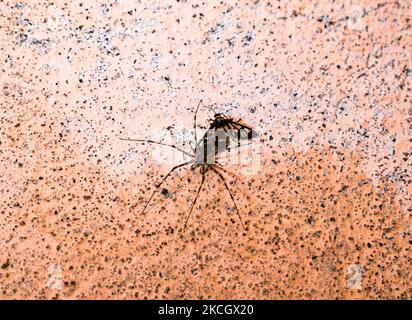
{"type": "Point", "coordinates": [328, 87]}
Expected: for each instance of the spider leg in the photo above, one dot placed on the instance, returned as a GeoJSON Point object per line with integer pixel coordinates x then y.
{"type": "Point", "coordinates": [194, 120]}
{"type": "Point", "coordinates": [194, 202]}
{"type": "Point", "coordinates": [221, 167]}
{"type": "Point", "coordinates": [230, 173]}
{"type": "Point", "coordinates": [231, 196]}
{"type": "Point", "coordinates": [161, 143]}
{"type": "Point", "coordinates": [191, 147]}
{"type": "Point", "coordinates": [165, 177]}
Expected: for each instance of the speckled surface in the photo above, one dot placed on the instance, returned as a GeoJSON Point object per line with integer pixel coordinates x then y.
{"type": "Point", "coordinates": [327, 85]}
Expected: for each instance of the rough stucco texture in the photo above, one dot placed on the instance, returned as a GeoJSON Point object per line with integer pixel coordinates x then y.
{"type": "Point", "coordinates": [326, 84]}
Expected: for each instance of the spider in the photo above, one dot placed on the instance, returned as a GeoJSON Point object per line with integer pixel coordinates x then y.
{"type": "Point", "coordinates": [222, 131]}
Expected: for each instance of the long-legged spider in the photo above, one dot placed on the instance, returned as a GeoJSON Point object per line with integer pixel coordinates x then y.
{"type": "Point", "coordinates": [204, 156]}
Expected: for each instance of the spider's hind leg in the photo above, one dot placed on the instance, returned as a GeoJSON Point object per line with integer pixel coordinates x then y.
{"type": "Point", "coordinates": [195, 119]}
{"type": "Point", "coordinates": [231, 196]}
{"type": "Point", "coordinates": [161, 182]}
{"type": "Point", "coordinates": [203, 172]}
{"type": "Point", "coordinates": [159, 143]}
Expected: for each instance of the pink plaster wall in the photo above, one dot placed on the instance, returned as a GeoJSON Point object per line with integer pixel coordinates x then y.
{"type": "Point", "coordinates": [327, 85]}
